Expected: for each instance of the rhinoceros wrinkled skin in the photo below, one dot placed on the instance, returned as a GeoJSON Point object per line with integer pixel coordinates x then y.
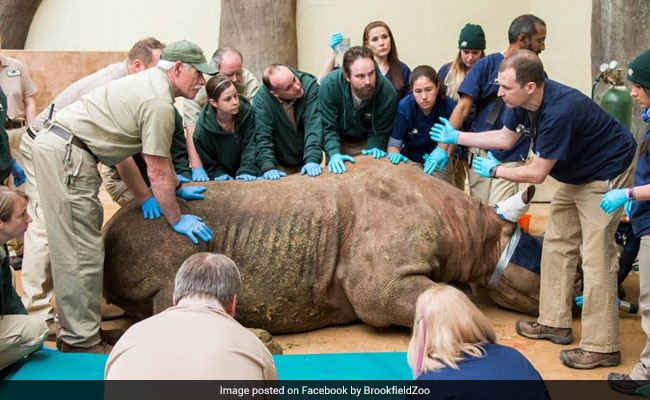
{"type": "Point", "coordinates": [322, 251]}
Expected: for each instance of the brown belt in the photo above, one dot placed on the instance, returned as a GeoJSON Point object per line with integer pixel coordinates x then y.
{"type": "Point", "coordinates": [63, 133]}
{"type": "Point", "coordinates": [14, 124]}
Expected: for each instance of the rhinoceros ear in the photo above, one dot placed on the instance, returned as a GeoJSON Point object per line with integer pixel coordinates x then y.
{"type": "Point", "coordinates": [515, 206]}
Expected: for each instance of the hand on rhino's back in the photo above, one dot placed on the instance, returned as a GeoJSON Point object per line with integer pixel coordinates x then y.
{"type": "Point", "coordinates": [314, 251]}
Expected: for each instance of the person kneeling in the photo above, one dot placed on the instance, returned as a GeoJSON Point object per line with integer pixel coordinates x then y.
{"type": "Point", "coordinates": [197, 338]}
{"type": "Point", "coordinates": [20, 334]}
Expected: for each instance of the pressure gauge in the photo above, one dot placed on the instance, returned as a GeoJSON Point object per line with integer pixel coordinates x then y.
{"type": "Point", "coordinates": [613, 64]}
{"type": "Point", "coordinates": [603, 67]}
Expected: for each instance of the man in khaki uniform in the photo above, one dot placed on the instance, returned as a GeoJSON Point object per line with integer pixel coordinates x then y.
{"type": "Point", "coordinates": [205, 295]}
{"type": "Point", "coordinates": [131, 115]}
{"type": "Point", "coordinates": [36, 279]}
{"type": "Point", "coordinates": [229, 62]}
{"type": "Point", "coordinates": [21, 109]}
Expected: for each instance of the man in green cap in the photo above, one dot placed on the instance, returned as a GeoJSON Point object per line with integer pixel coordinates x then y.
{"type": "Point", "coordinates": [134, 114]}
{"type": "Point", "coordinates": [525, 32]}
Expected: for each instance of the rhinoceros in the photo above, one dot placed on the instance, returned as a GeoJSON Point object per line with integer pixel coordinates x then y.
{"type": "Point", "coordinates": [322, 251]}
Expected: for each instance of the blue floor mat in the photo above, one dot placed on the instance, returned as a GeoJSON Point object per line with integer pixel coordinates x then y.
{"type": "Point", "coordinates": [51, 365]}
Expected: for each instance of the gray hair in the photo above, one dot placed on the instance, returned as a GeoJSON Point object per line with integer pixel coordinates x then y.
{"type": "Point", "coordinates": [218, 55]}
{"type": "Point", "coordinates": [208, 274]}
{"type": "Point", "coordinates": [166, 65]}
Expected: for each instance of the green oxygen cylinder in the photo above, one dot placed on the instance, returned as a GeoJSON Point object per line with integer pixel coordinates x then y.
{"type": "Point", "coordinates": [618, 103]}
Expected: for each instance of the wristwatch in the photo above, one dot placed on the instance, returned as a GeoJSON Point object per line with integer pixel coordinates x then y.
{"type": "Point", "coordinates": [493, 171]}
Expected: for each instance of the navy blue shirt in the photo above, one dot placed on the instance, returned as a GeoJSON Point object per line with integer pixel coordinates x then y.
{"type": "Point", "coordinates": [406, 80]}
{"type": "Point", "coordinates": [412, 127]}
{"type": "Point", "coordinates": [587, 142]}
{"type": "Point", "coordinates": [480, 84]}
{"type": "Point", "coordinates": [443, 71]}
{"type": "Point", "coordinates": [640, 214]}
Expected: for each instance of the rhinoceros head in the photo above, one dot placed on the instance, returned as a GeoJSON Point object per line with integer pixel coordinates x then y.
{"type": "Point", "coordinates": [514, 287]}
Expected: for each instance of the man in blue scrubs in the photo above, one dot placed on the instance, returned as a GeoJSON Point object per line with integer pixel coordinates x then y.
{"type": "Point", "coordinates": [589, 152]}
{"type": "Point", "coordinates": [525, 32]}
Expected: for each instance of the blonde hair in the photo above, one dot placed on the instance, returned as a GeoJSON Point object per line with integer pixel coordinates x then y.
{"type": "Point", "coordinates": [8, 200]}
{"type": "Point", "coordinates": [447, 326]}
{"type": "Point", "coordinates": [456, 75]}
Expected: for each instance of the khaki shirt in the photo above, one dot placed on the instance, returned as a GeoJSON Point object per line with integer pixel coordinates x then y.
{"type": "Point", "coordinates": [130, 115]}
{"type": "Point", "coordinates": [192, 108]}
{"type": "Point", "coordinates": [195, 340]}
{"type": "Point", "coordinates": [81, 87]}
{"type": "Point", "coordinates": [16, 84]}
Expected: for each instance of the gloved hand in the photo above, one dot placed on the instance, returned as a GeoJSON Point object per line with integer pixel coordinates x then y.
{"type": "Point", "coordinates": [199, 175]}
{"type": "Point", "coordinates": [224, 177]}
{"type": "Point", "coordinates": [245, 177]}
{"type": "Point", "coordinates": [335, 39]}
{"type": "Point", "coordinates": [311, 169]}
{"type": "Point", "coordinates": [189, 225]}
{"type": "Point", "coordinates": [628, 209]}
{"type": "Point", "coordinates": [337, 163]}
{"type": "Point", "coordinates": [613, 200]}
{"type": "Point", "coordinates": [437, 159]}
{"type": "Point", "coordinates": [151, 209]}
{"type": "Point", "coordinates": [444, 132]}
{"type": "Point", "coordinates": [375, 153]}
{"type": "Point", "coordinates": [17, 172]}
{"type": "Point", "coordinates": [580, 299]}
{"type": "Point", "coordinates": [273, 174]}
{"type": "Point", "coordinates": [482, 165]}
{"type": "Point", "coordinates": [182, 179]}
{"type": "Point", "coordinates": [191, 192]}
{"type": "Point", "coordinates": [395, 158]}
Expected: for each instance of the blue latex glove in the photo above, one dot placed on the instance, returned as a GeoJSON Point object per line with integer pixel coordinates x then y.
{"type": "Point", "coordinates": [444, 132]}
{"type": "Point", "coordinates": [273, 174]}
{"type": "Point", "coordinates": [335, 39]}
{"type": "Point", "coordinates": [337, 163]}
{"type": "Point", "coordinates": [311, 169]}
{"type": "Point", "coordinates": [191, 192]}
{"type": "Point", "coordinates": [182, 179]}
{"type": "Point", "coordinates": [437, 159]}
{"type": "Point", "coordinates": [150, 209]}
{"type": "Point", "coordinates": [199, 175]}
{"type": "Point", "coordinates": [580, 299]}
{"type": "Point", "coordinates": [482, 165]}
{"type": "Point", "coordinates": [190, 225]}
{"type": "Point", "coordinates": [224, 177]}
{"type": "Point", "coordinates": [17, 172]}
{"type": "Point", "coordinates": [396, 158]}
{"type": "Point", "coordinates": [375, 153]}
{"type": "Point", "coordinates": [245, 177]}
{"type": "Point", "coordinates": [628, 209]}
{"type": "Point", "coordinates": [613, 200]}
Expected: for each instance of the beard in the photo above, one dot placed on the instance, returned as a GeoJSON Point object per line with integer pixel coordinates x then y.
{"type": "Point", "coordinates": [365, 92]}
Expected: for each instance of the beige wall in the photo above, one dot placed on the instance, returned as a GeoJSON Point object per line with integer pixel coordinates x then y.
{"type": "Point", "coordinates": [426, 31]}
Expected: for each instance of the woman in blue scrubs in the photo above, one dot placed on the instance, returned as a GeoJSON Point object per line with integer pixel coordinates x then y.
{"type": "Point", "coordinates": [471, 48]}
{"type": "Point", "coordinates": [416, 114]}
{"type": "Point", "coordinates": [636, 200]}
{"type": "Point", "coordinates": [453, 342]}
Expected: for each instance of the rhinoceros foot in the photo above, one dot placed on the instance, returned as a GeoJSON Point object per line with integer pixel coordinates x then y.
{"type": "Point", "coordinates": [268, 341]}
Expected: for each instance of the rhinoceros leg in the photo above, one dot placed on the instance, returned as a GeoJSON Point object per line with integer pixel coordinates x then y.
{"type": "Point", "coordinates": [518, 290]}
{"type": "Point", "coordinates": [163, 299]}
{"type": "Point", "coordinates": [388, 299]}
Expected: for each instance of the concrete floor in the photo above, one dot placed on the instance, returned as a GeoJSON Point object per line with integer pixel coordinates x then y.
{"type": "Point", "coordinates": [362, 338]}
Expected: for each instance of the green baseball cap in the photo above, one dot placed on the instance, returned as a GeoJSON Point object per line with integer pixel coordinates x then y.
{"type": "Point", "coordinates": [190, 53]}
{"type": "Point", "coordinates": [639, 70]}
{"type": "Point", "coordinates": [472, 37]}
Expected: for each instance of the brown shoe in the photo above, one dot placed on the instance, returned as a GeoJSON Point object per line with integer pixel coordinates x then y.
{"type": "Point", "coordinates": [623, 383]}
{"type": "Point", "coordinates": [535, 330]}
{"type": "Point", "coordinates": [582, 359]}
{"type": "Point", "coordinates": [53, 329]}
{"type": "Point", "coordinates": [111, 336]}
{"type": "Point", "coordinates": [100, 348]}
